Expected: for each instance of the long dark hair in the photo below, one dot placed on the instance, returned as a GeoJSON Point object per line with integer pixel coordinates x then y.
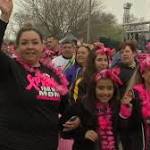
{"type": "Point", "coordinates": [89, 100]}
{"type": "Point", "coordinates": [91, 68]}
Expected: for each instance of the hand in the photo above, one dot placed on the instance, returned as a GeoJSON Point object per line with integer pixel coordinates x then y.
{"type": "Point", "coordinates": [91, 135]}
{"type": "Point", "coordinates": [6, 7]}
{"type": "Point", "coordinates": [127, 98]}
{"type": "Point", "coordinates": [71, 125]}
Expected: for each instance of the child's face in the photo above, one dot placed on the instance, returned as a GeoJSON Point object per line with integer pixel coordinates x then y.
{"type": "Point", "coordinates": [104, 90]}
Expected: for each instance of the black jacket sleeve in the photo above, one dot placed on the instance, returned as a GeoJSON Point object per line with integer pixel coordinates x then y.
{"type": "Point", "coordinates": [131, 128]}
{"type": "Point", "coordinates": [88, 122]}
{"type": "Point", "coordinates": [4, 60]}
{"type": "Point", "coordinates": [73, 110]}
{"type": "Point", "coordinates": [135, 120]}
{"type": "Point", "coordinates": [64, 104]}
{"type": "Point", "coordinates": [3, 26]}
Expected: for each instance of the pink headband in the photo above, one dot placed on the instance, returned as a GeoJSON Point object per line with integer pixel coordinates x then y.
{"type": "Point", "coordinates": [145, 64]}
{"type": "Point", "coordinates": [104, 51]}
{"type": "Point", "coordinates": [111, 74]}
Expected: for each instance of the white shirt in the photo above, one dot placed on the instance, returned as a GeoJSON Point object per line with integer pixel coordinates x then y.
{"type": "Point", "coordinates": [60, 61]}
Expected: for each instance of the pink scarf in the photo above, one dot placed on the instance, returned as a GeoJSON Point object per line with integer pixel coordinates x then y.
{"type": "Point", "coordinates": [145, 99]}
{"type": "Point", "coordinates": [107, 139]}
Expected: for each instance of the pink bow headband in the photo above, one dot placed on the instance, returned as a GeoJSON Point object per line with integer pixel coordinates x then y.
{"type": "Point", "coordinates": [145, 64]}
{"type": "Point", "coordinates": [104, 51]}
{"type": "Point", "coordinates": [111, 74]}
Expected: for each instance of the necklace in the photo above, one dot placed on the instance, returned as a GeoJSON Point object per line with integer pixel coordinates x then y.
{"type": "Point", "coordinates": [105, 127]}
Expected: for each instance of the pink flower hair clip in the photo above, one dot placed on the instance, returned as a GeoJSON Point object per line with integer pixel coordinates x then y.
{"type": "Point", "coordinates": [104, 51]}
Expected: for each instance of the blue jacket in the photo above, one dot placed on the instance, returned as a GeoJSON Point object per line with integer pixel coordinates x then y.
{"type": "Point", "coordinates": [72, 73]}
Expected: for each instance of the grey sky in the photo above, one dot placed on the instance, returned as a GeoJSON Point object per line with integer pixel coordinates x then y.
{"type": "Point", "coordinates": [140, 8]}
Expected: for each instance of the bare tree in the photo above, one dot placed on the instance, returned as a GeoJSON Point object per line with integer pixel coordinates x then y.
{"type": "Point", "coordinates": [59, 16]}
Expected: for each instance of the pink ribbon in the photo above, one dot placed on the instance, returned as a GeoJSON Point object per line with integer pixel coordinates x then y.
{"type": "Point", "coordinates": [33, 82]}
{"type": "Point", "coordinates": [104, 51]}
{"type": "Point", "coordinates": [110, 73]}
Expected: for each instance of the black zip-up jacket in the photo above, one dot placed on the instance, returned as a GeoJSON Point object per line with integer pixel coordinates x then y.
{"type": "Point", "coordinates": [88, 122]}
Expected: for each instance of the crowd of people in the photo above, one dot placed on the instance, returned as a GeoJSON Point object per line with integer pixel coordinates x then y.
{"type": "Point", "coordinates": [71, 96]}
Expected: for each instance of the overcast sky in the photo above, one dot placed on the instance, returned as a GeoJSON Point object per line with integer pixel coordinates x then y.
{"type": "Point", "coordinates": [140, 8]}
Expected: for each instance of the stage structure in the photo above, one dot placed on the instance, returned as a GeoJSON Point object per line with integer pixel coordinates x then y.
{"type": "Point", "coordinates": [139, 31]}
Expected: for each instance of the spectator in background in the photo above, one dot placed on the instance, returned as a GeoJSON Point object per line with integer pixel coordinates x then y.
{"type": "Point", "coordinates": [75, 70]}
{"type": "Point", "coordinates": [97, 61]}
{"type": "Point", "coordinates": [142, 55]}
{"type": "Point", "coordinates": [67, 55]}
{"type": "Point", "coordinates": [52, 48]}
{"type": "Point", "coordinates": [53, 44]}
{"type": "Point", "coordinates": [147, 48]}
{"type": "Point", "coordinates": [128, 64]}
{"type": "Point", "coordinates": [116, 59]}
{"type": "Point", "coordinates": [9, 48]}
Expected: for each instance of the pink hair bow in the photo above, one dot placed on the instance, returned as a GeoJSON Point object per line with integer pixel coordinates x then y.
{"type": "Point", "coordinates": [145, 64]}
{"type": "Point", "coordinates": [112, 74]}
{"type": "Point", "coordinates": [104, 51]}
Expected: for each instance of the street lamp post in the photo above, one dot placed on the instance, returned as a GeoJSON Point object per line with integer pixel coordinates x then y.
{"type": "Point", "coordinates": [89, 22]}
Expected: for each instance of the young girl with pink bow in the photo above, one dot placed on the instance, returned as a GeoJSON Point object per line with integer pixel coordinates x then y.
{"type": "Point", "coordinates": [99, 113]}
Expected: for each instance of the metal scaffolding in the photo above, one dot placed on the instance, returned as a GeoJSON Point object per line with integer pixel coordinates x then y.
{"type": "Point", "coordinates": [139, 31]}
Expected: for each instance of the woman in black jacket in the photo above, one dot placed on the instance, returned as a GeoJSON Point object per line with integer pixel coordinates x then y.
{"type": "Point", "coordinates": [128, 65]}
{"type": "Point", "coordinates": [30, 92]}
{"type": "Point", "coordinates": [138, 134]}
